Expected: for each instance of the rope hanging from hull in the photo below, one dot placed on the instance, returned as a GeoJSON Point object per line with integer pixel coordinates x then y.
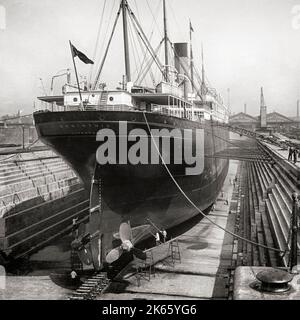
{"type": "Point", "coordinates": [193, 204]}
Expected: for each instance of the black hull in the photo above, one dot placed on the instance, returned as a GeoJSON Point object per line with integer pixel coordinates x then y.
{"type": "Point", "coordinates": [136, 192]}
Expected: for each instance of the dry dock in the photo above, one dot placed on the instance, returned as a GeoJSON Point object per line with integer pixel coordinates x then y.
{"type": "Point", "coordinates": [201, 273]}
{"type": "Point", "coordinates": [208, 263]}
{"type": "Point", "coordinates": [279, 180]}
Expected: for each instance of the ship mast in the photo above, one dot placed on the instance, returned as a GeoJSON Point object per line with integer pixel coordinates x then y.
{"type": "Point", "coordinates": [124, 6]}
{"type": "Point", "coordinates": [166, 41]}
{"type": "Point", "coordinates": [203, 73]}
{"type": "Point", "coordinates": [191, 58]}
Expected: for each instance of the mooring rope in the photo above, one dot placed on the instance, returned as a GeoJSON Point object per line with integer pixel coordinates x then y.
{"type": "Point", "coordinates": [194, 205]}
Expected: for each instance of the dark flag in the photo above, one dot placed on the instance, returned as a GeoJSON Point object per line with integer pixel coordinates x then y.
{"type": "Point", "coordinates": [80, 55]}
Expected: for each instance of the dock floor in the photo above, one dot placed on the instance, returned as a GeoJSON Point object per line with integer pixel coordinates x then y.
{"type": "Point", "coordinates": [283, 153]}
{"type": "Point", "coordinates": [206, 255]}
{"type": "Point", "coordinates": [32, 288]}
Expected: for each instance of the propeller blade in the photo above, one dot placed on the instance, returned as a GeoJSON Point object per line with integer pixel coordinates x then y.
{"type": "Point", "coordinates": [85, 256]}
{"type": "Point", "coordinates": [125, 231]}
{"type": "Point", "coordinates": [114, 255]}
{"type": "Point", "coordinates": [139, 253]}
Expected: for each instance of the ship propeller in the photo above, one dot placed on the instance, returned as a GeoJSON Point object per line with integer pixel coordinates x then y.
{"type": "Point", "coordinates": [126, 246]}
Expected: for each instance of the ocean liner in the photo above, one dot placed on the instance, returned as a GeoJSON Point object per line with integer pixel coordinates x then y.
{"type": "Point", "coordinates": [125, 197]}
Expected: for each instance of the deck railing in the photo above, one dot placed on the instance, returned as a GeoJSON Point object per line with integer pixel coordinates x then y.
{"type": "Point", "coordinates": [160, 109]}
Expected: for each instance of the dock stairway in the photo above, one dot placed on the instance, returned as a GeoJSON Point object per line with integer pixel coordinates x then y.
{"type": "Point", "coordinates": [265, 199]}
{"type": "Point", "coordinates": [39, 197]}
{"type": "Point", "coordinates": [280, 183]}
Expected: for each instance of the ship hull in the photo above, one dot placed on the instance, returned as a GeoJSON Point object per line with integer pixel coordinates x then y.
{"type": "Point", "coordinates": [136, 192]}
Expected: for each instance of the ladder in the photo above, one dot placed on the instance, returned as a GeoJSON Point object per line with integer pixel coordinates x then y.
{"type": "Point", "coordinates": [144, 269]}
{"type": "Point", "coordinates": [173, 253]}
{"type": "Point", "coordinates": [103, 99]}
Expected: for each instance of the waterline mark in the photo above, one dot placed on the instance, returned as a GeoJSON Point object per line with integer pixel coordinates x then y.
{"type": "Point", "coordinates": [175, 147]}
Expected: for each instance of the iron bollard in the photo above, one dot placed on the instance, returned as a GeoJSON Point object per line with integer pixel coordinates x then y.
{"type": "Point", "coordinates": [294, 225]}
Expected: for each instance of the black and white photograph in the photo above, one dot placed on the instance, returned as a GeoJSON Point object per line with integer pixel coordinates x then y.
{"type": "Point", "coordinates": [149, 152]}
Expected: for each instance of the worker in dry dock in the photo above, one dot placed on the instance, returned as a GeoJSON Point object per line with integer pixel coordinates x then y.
{"type": "Point", "coordinates": [164, 234]}
{"type": "Point", "coordinates": [157, 238]}
{"type": "Point", "coordinates": [290, 153]}
{"type": "Point", "coordinates": [75, 228]}
{"type": "Point", "coordinates": [295, 153]}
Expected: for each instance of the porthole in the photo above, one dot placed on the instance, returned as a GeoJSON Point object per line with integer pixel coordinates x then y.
{"type": "Point", "coordinates": [75, 99]}
{"type": "Point", "coordinates": [111, 98]}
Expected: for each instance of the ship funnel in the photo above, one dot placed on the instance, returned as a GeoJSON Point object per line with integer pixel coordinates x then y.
{"type": "Point", "coordinates": [182, 64]}
{"type": "Point", "coordinates": [181, 56]}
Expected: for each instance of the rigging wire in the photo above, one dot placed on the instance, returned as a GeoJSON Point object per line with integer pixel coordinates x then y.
{"type": "Point", "coordinates": [175, 20]}
{"type": "Point", "coordinates": [149, 64]}
{"type": "Point", "coordinates": [145, 40]}
{"type": "Point", "coordinates": [137, 10]}
{"type": "Point", "coordinates": [145, 54]}
{"type": "Point", "coordinates": [107, 27]}
{"type": "Point", "coordinates": [144, 60]}
{"type": "Point", "coordinates": [160, 32]}
{"type": "Point", "coordinates": [142, 48]}
{"type": "Point", "coordinates": [97, 42]}
{"type": "Point", "coordinates": [107, 48]}
{"type": "Point", "coordinates": [154, 18]}
{"type": "Point", "coordinates": [133, 45]}
{"type": "Point", "coordinates": [106, 30]}
{"type": "Point", "coordinates": [139, 18]}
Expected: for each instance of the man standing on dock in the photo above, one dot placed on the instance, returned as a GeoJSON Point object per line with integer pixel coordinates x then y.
{"type": "Point", "coordinates": [157, 239]}
{"type": "Point", "coordinates": [290, 153]}
{"type": "Point", "coordinates": [164, 234]}
{"type": "Point", "coordinates": [295, 152]}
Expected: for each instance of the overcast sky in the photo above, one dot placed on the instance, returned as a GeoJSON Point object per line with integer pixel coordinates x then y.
{"type": "Point", "coordinates": [247, 44]}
